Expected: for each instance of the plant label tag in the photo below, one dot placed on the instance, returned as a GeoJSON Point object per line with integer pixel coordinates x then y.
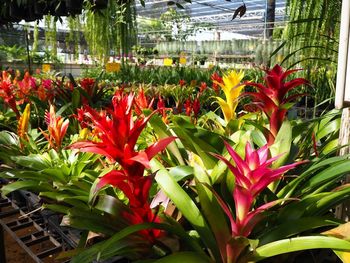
{"type": "Point", "coordinates": [168, 62]}
{"type": "Point", "coordinates": [46, 68]}
{"type": "Point", "coordinates": [112, 67]}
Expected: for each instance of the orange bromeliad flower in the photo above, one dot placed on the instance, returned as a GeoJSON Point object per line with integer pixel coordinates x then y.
{"type": "Point", "coordinates": [142, 102]}
{"type": "Point", "coordinates": [57, 128]}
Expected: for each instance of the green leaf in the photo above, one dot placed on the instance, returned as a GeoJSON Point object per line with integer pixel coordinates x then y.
{"type": "Point", "coordinates": [212, 210]}
{"type": "Point", "coordinates": [185, 204]}
{"type": "Point", "coordinates": [282, 144]}
{"type": "Point", "coordinates": [333, 173]}
{"type": "Point", "coordinates": [27, 185]}
{"type": "Point", "coordinates": [112, 246]}
{"type": "Point", "coordinates": [299, 244]}
{"type": "Point", "coordinates": [278, 48]}
{"type": "Point", "coordinates": [188, 257]}
{"type": "Point", "coordinates": [110, 204]}
{"type": "Point", "coordinates": [75, 99]}
{"type": "Point", "coordinates": [331, 127]}
{"type": "Point", "coordinates": [295, 227]}
{"type": "Point", "coordinates": [304, 20]}
{"type": "Point", "coordinates": [34, 161]}
{"type": "Point", "coordinates": [258, 138]}
{"type": "Point", "coordinates": [294, 185]}
{"type": "Point", "coordinates": [9, 138]}
{"type": "Point", "coordinates": [162, 131]}
{"type": "Point", "coordinates": [181, 172]}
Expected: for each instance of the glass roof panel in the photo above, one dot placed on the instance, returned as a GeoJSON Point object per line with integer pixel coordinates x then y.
{"type": "Point", "coordinates": [219, 14]}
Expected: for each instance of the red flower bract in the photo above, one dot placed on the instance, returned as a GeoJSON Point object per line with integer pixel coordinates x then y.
{"type": "Point", "coordinates": [252, 176]}
{"type": "Point", "coordinates": [272, 98]}
{"type": "Point", "coordinates": [118, 134]}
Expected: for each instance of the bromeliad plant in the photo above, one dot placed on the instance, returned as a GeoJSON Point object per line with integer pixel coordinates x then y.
{"type": "Point", "coordinates": [272, 98]}
{"type": "Point", "coordinates": [251, 211]}
{"type": "Point", "coordinates": [260, 225]}
{"type": "Point", "coordinates": [117, 134]}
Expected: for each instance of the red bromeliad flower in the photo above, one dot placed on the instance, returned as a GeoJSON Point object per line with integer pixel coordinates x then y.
{"type": "Point", "coordinates": [57, 128]}
{"type": "Point", "coordinates": [188, 107]}
{"type": "Point", "coordinates": [118, 134]}
{"type": "Point", "coordinates": [162, 110]}
{"type": "Point", "coordinates": [196, 106]}
{"type": "Point", "coordinates": [203, 86]}
{"type": "Point", "coordinates": [141, 102]}
{"type": "Point", "coordinates": [7, 92]}
{"type": "Point", "coordinates": [45, 90]}
{"type": "Point", "coordinates": [252, 176]}
{"type": "Point", "coordinates": [272, 100]}
{"type": "Point", "coordinates": [26, 86]}
{"type": "Point", "coordinates": [215, 77]}
{"type": "Point", "coordinates": [182, 82]}
{"type": "Point", "coordinates": [87, 84]}
{"type": "Point", "coordinates": [136, 189]}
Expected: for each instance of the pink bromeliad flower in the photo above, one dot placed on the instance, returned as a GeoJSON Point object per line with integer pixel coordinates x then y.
{"type": "Point", "coordinates": [252, 176]}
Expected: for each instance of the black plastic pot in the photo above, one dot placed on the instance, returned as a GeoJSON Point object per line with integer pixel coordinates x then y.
{"type": "Point", "coordinates": [41, 8]}
{"type": "Point", "coordinates": [74, 7]}
{"type": "Point", "coordinates": [30, 15]}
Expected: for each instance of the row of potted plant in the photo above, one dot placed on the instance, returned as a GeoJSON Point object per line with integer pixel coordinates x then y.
{"type": "Point", "coordinates": [162, 184]}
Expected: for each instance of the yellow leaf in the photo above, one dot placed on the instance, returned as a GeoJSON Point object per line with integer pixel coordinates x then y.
{"type": "Point", "coordinates": [342, 232]}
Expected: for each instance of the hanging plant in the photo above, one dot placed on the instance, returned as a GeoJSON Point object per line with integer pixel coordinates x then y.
{"type": "Point", "coordinates": [110, 29]}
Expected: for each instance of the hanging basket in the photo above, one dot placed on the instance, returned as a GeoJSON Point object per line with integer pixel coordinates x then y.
{"type": "Point", "coordinates": [15, 12]}
{"type": "Point", "coordinates": [99, 4]}
{"type": "Point", "coordinates": [41, 8]}
{"type": "Point", "coordinates": [58, 8]}
{"type": "Point", "coordinates": [74, 7]}
{"type": "Point", "coordinates": [30, 15]}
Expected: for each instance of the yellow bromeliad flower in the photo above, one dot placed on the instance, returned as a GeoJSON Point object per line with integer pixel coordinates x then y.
{"type": "Point", "coordinates": [232, 88]}
{"type": "Point", "coordinates": [23, 122]}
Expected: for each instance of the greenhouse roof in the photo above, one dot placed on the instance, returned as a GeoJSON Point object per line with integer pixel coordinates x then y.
{"type": "Point", "coordinates": [219, 13]}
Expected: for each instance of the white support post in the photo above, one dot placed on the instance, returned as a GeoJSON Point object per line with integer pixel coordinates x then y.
{"type": "Point", "coordinates": [342, 97]}
{"type": "Point", "coordinates": [343, 59]}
